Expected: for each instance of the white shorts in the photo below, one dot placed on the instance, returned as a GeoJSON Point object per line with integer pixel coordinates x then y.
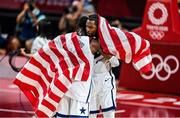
{"type": "Point", "coordinates": [72, 108]}
{"type": "Point", "coordinates": [103, 95]}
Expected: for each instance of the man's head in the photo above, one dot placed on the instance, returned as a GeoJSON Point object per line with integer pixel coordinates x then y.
{"type": "Point", "coordinates": [81, 26]}
{"type": "Point", "coordinates": [31, 4]}
{"type": "Point", "coordinates": [94, 46]}
{"type": "Point", "coordinates": [92, 26]}
{"type": "Point", "coordinates": [44, 29]}
{"type": "Point", "coordinates": [81, 30]}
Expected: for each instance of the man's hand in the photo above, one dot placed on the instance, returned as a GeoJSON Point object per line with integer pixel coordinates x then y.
{"type": "Point", "coordinates": [26, 7]}
{"type": "Point", "coordinates": [25, 54]}
{"type": "Point", "coordinates": [106, 56]}
{"type": "Point", "coordinates": [21, 16]}
{"type": "Point", "coordinates": [23, 51]}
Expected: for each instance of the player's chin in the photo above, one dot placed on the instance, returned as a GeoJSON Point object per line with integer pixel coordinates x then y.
{"type": "Point", "coordinates": [90, 34]}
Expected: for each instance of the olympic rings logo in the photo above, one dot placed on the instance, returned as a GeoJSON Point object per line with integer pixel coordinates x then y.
{"type": "Point", "coordinates": [153, 8]}
{"type": "Point", "coordinates": [156, 34]}
{"type": "Point", "coordinates": [162, 65]}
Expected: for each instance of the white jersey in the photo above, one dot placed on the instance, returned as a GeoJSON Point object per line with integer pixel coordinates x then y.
{"type": "Point", "coordinates": [103, 87]}
{"type": "Point", "coordinates": [38, 43]}
{"type": "Point", "coordinates": [102, 66]}
{"type": "Point", "coordinates": [102, 70]}
{"type": "Point", "coordinates": [80, 90]}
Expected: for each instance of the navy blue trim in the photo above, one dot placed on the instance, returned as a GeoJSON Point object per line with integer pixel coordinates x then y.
{"type": "Point", "coordinates": [69, 116]}
{"type": "Point", "coordinates": [112, 107]}
{"type": "Point", "coordinates": [108, 109]}
{"type": "Point", "coordinates": [94, 112]}
{"type": "Point", "coordinates": [89, 91]}
{"type": "Point", "coordinates": [112, 89]}
{"type": "Point", "coordinates": [99, 59]}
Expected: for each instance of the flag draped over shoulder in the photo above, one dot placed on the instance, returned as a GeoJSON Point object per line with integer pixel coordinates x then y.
{"type": "Point", "coordinates": [127, 46]}
{"type": "Point", "coordinates": [48, 74]}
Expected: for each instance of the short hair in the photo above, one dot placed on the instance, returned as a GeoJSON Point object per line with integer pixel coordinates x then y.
{"type": "Point", "coordinates": [81, 25]}
{"type": "Point", "coordinates": [93, 17]}
{"type": "Point", "coordinates": [82, 22]}
{"type": "Point", "coordinates": [45, 28]}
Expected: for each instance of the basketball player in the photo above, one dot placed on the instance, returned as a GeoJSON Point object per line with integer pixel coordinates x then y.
{"type": "Point", "coordinates": [103, 88]}
{"type": "Point", "coordinates": [75, 102]}
{"type": "Point", "coordinates": [109, 47]}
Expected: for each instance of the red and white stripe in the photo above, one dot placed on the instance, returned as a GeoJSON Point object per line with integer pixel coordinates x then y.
{"type": "Point", "coordinates": [126, 46]}
{"type": "Point", "coordinates": [48, 74]}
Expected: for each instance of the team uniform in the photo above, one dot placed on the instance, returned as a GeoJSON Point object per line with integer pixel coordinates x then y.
{"type": "Point", "coordinates": [75, 102]}
{"type": "Point", "coordinates": [38, 43]}
{"type": "Point", "coordinates": [103, 89]}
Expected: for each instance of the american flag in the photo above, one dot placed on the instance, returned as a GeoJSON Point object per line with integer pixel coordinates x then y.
{"type": "Point", "coordinates": [48, 74]}
{"type": "Point", "coordinates": [126, 46]}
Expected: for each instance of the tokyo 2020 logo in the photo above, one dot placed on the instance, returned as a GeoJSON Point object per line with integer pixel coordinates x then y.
{"type": "Point", "coordinates": [152, 10]}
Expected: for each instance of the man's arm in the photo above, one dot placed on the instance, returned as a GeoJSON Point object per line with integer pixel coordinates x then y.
{"type": "Point", "coordinates": [21, 15]}
{"type": "Point", "coordinates": [114, 61]}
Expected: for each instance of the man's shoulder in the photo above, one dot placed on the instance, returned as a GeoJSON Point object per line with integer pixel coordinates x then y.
{"type": "Point", "coordinates": [84, 37]}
